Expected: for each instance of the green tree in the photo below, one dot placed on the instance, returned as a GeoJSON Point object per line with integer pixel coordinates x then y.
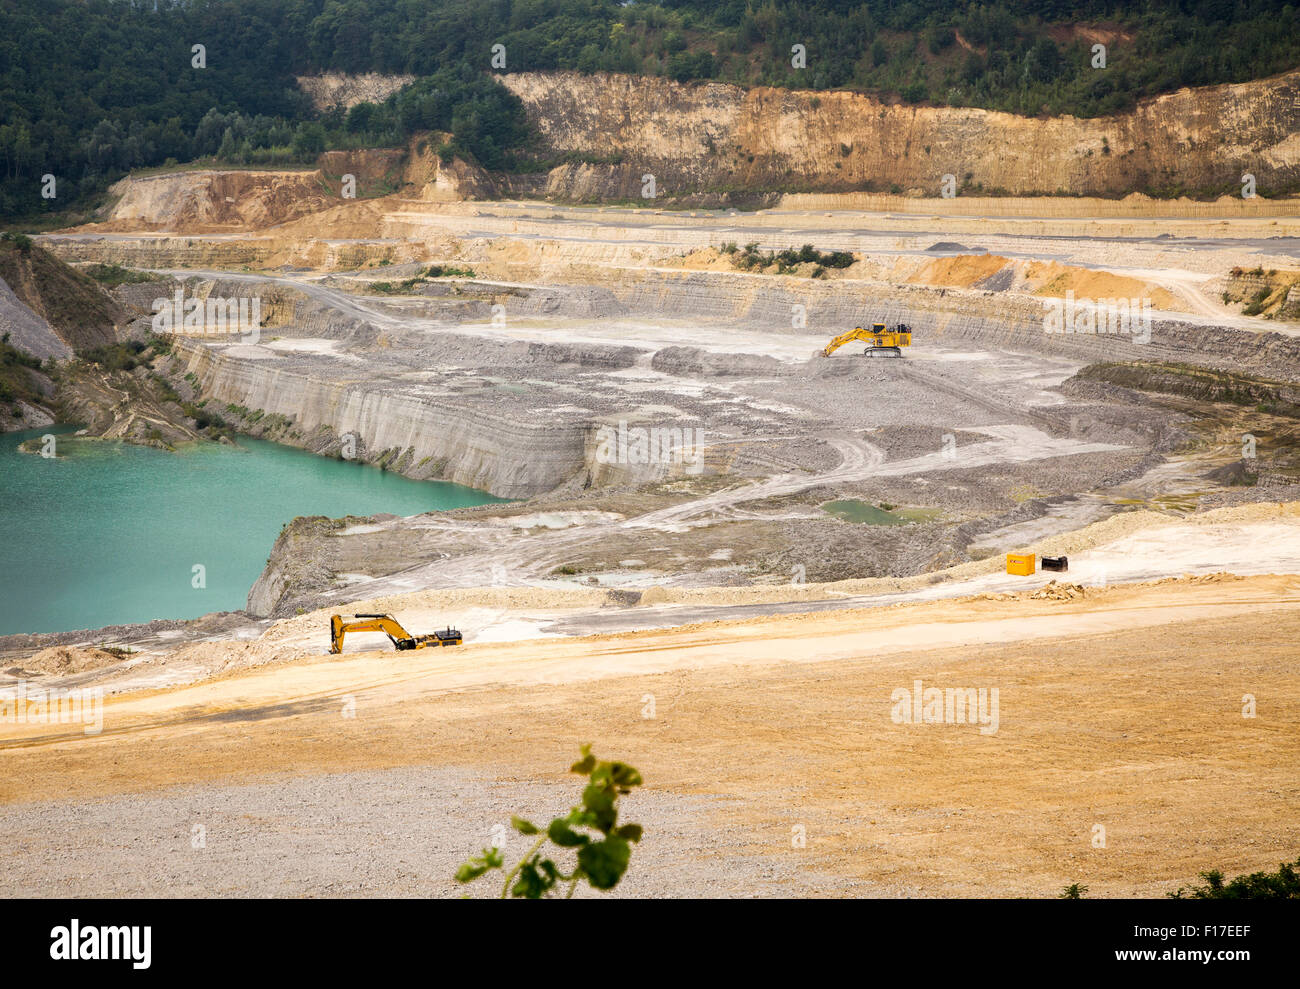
{"type": "Point", "coordinates": [309, 140]}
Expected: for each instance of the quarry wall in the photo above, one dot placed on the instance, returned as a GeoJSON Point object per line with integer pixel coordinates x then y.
{"type": "Point", "coordinates": [708, 135]}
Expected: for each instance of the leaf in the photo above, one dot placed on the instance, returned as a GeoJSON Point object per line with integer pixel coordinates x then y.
{"type": "Point", "coordinates": [623, 775]}
{"type": "Point", "coordinates": [586, 764]}
{"type": "Point", "coordinates": [524, 827]}
{"type": "Point", "coordinates": [604, 862]}
{"type": "Point", "coordinates": [599, 801]}
{"type": "Point", "coordinates": [564, 836]}
{"type": "Point", "coordinates": [631, 832]}
{"type": "Point", "coordinates": [580, 818]}
{"type": "Point", "coordinates": [469, 872]}
{"type": "Point", "coordinates": [475, 867]}
{"type": "Point", "coordinates": [616, 774]}
{"type": "Point", "coordinates": [532, 884]}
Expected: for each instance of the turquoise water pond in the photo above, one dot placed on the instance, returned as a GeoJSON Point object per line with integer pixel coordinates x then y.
{"type": "Point", "coordinates": [109, 533]}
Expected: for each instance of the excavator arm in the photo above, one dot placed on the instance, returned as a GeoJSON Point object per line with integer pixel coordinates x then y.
{"type": "Point", "coordinates": [857, 333]}
{"type": "Point", "coordinates": [387, 624]}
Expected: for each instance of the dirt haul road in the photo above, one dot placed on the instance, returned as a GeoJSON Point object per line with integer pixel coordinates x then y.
{"type": "Point", "coordinates": [1115, 753]}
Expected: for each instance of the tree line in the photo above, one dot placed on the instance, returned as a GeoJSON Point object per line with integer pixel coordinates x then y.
{"type": "Point", "coordinates": [90, 89]}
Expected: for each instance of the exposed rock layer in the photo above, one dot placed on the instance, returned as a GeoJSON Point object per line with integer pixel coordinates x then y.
{"type": "Point", "coordinates": [509, 458]}
{"type": "Point", "coordinates": [700, 136]}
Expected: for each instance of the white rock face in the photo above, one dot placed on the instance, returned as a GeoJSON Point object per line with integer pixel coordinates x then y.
{"type": "Point", "coordinates": [331, 89]}
{"type": "Point", "coordinates": [474, 447]}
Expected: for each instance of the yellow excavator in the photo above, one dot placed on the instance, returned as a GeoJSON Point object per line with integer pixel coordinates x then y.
{"type": "Point", "coordinates": [879, 340]}
{"type": "Point", "coordinates": [391, 627]}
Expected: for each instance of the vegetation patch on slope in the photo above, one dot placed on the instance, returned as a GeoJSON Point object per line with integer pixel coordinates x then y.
{"type": "Point", "coordinates": [1271, 294]}
{"type": "Point", "coordinates": [79, 311]}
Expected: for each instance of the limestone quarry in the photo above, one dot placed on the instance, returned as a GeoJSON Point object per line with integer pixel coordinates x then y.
{"type": "Point", "coordinates": [701, 502]}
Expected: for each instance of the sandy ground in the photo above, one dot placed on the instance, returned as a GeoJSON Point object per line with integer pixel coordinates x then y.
{"type": "Point", "coordinates": [1121, 709]}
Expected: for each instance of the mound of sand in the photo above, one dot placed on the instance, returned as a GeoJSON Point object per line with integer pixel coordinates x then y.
{"type": "Point", "coordinates": [70, 659]}
{"type": "Point", "coordinates": [1051, 278]}
{"type": "Point", "coordinates": [1057, 592]}
{"type": "Point", "coordinates": [1204, 578]}
{"type": "Point", "coordinates": [707, 259]}
{"type": "Point", "coordinates": [654, 595]}
{"type": "Point", "coordinates": [961, 271]}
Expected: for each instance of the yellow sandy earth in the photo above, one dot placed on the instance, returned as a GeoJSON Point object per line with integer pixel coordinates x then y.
{"type": "Point", "coordinates": [1121, 709]}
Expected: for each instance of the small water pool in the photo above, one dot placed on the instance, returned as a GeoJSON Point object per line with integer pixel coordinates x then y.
{"type": "Point", "coordinates": [853, 510]}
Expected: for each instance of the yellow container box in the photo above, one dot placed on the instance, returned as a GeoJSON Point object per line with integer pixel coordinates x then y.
{"type": "Point", "coordinates": [1020, 564]}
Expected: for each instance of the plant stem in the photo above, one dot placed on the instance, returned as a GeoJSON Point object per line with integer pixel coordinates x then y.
{"type": "Point", "coordinates": [519, 865]}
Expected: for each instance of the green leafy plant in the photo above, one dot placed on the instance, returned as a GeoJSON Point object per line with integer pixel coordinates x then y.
{"type": "Point", "coordinates": [1257, 302]}
{"type": "Point", "coordinates": [1281, 885]}
{"type": "Point", "coordinates": [122, 356]}
{"type": "Point", "coordinates": [447, 271]}
{"type": "Point", "coordinates": [751, 258]}
{"type": "Point", "coordinates": [591, 830]}
{"type": "Point", "coordinates": [113, 275]}
{"type": "Point", "coordinates": [20, 241]}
